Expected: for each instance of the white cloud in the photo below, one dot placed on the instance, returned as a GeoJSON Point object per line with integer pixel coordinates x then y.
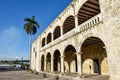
{"type": "Point", "coordinates": [10, 35]}
{"type": "Point", "coordinates": [10, 42]}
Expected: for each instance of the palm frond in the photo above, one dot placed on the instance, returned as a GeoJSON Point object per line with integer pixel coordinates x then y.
{"type": "Point", "coordinates": [33, 17]}
{"type": "Point", "coordinates": [34, 30]}
{"type": "Point", "coordinates": [28, 20]}
{"type": "Point", "coordinates": [27, 28]}
{"type": "Point", "coordinates": [31, 25]}
{"type": "Point", "coordinates": [36, 24]}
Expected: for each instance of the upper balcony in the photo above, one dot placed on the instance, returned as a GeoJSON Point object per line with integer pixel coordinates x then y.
{"type": "Point", "coordinates": [80, 28]}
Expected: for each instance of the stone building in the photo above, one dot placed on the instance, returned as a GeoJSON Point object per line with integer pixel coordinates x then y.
{"type": "Point", "coordinates": [83, 39]}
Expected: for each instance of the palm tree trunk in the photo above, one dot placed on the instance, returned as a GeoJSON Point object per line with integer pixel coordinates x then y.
{"type": "Point", "coordinates": [30, 48]}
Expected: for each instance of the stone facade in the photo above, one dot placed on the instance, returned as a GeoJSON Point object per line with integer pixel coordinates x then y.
{"type": "Point", "coordinates": [83, 39]}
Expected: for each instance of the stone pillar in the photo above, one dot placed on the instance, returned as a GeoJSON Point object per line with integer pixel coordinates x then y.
{"type": "Point", "coordinates": [62, 64]}
{"type": "Point", "coordinates": [76, 21]}
{"type": "Point", "coordinates": [61, 30]}
{"type": "Point", "coordinates": [79, 63]}
{"type": "Point", "coordinates": [52, 64]}
{"type": "Point", "coordinates": [52, 37]}
{"type": "Point", "coordinates": [45, 64]}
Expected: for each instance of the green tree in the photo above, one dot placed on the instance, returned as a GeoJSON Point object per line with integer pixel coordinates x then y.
{"type": "Point", "coordinates": [30, 28]}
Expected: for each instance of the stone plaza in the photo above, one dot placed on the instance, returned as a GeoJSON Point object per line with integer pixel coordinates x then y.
{"type": "Point", "coordinates": [27, 75]}
{"type": "Point", "coordinates": [83, 40]}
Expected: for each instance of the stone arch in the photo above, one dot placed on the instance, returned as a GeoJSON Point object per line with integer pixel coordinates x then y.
{"type": "Point", "coordinates": [42, 62]}
{"type": "Point", "coordinates": [70, 59]}
{"type": "Point", "coordinates": [92, 35]}
{"type": "Point", "coordinates": [94, 48]}
{"type": "Point", "coordinates": [43, 41]}
{"type": "Point", "coordinates": [56, 33]}
{"type": "Point", "coordinates": [68, 24]}
{"type": "Point", "coordinates": [49, 37]}
{"type": "Point", "coordinates": [79, 5]}
{"type": "Point", "coordinates": [87, 10]}
{"type": "Point", "coordinates": [48, 61]}
{"type": "Point", "coordinates": [57, 60]}
{"type": "Point", "coordinates": [59, 48]}
{"type": "Point", "coordinates": [66, 14]}
{"type": "Point", "coordinates": [69, 42]}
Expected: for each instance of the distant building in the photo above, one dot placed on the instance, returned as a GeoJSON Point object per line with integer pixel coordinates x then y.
{"type": "Point", "coordinates": [83, 39]}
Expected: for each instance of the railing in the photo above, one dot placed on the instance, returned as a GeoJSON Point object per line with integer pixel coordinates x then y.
{"type": "Point", "coordinates": [82, 27]}
{"type": "Point", "coordinates": [89, 23]}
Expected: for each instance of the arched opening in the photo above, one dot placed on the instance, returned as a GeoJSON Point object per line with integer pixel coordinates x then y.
{"type": "Point", "coordinates": [57, 62]}
{"type": "Point", "coordinates": [42, 63]}
{"type": "Point", "coordinates": [88, 10]}
{"type": "Point", "coordinates": [43, 42]}
{"type": "Point", "coordinates": [70, 64]}
{"type": "Point", "coordinates": [49, 38]}
{"type": "Point", "coordinates": [48, 62]}
{"type": "Point", "coordinates": [69, 24]}
{"type": "Point", "coordinates": [57, 32]}
{"type": "Point", "coordinates": [93, 55]}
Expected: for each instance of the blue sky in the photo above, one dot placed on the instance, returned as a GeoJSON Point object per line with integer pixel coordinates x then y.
{"type": "Point", "coordinates": [14, 42]}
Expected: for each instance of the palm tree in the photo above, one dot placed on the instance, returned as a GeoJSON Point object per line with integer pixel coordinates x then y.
{"type": "Point", "coordinates": [30, 28]}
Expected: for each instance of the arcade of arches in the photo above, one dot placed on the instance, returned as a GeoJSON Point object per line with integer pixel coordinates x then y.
{"type": "Point", "coordinates": [93, 57]}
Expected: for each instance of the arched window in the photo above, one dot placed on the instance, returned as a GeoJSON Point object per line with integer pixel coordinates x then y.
{"type": "Point", "coordinates": [49, 38]}
{"type": "Point", "coordinates": [43, 42]}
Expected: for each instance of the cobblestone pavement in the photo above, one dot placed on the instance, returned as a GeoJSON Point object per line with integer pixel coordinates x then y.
{"type": "Point", "coordinates": [26, 75]}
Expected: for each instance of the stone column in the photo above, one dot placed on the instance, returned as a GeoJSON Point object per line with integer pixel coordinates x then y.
{"type": "Point", "coordinates": [79, 63]}
{"type": "Point", "coordinates": [76, 21]}
{"type": "Point", "coordinates": [45, 64]}
{"type": "Point", "coordinates": [52, 64]}
{"type": "Point", "coordinates": [52, 37]}
{"type": "Point", "coordinates": [62, 64]}
{"type": "Point", "coordinates": [61, 30]}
